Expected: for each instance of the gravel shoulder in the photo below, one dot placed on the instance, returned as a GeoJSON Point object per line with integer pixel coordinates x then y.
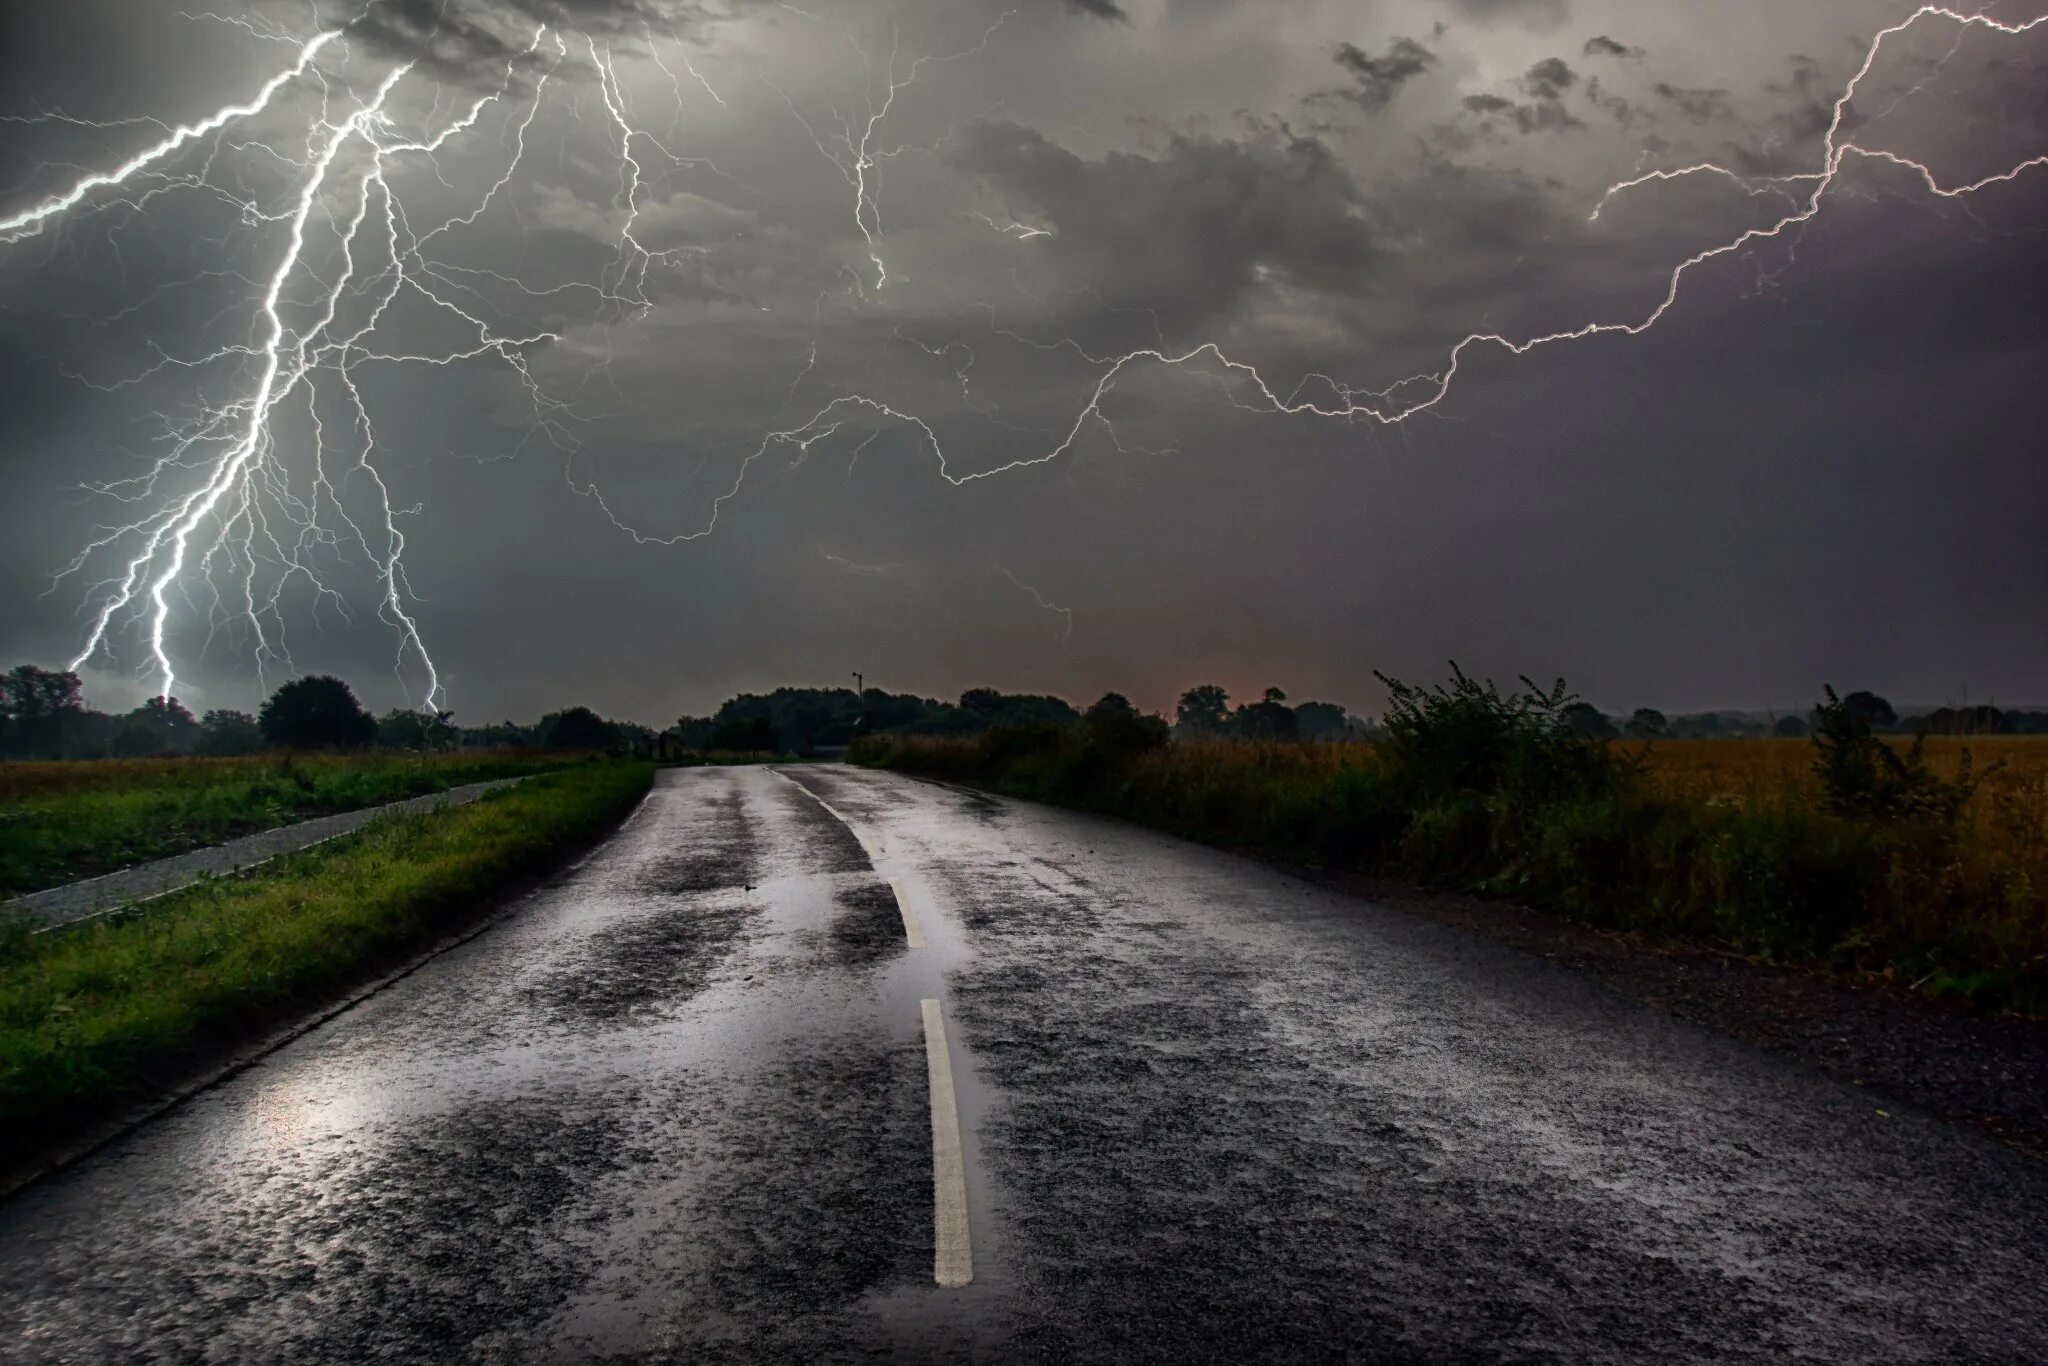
{"type": "Point", "coordinates": [1989, 1072]}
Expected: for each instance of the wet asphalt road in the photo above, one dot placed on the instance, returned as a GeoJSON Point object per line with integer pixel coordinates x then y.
{"type": "Point", "coordinates": [676, 1107]}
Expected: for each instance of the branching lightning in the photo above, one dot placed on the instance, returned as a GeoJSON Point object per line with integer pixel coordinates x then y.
{"type": "Point", "coordinates": [249, 496]}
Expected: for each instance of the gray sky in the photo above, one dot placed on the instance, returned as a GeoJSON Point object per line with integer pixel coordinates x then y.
{"type": "Point", "coordinates": [876, 337]}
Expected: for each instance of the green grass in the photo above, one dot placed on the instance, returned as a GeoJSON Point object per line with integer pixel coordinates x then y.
{"type": "Point", "coordinates": [94, 1019]}
{"type": "Point", "coordinates": [63, 821]}
{"type": "Point", "coordinates": [1960, 912]}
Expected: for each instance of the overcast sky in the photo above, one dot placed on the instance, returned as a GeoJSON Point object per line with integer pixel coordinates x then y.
{"type": "Point", "coordinates": [1822, 464]}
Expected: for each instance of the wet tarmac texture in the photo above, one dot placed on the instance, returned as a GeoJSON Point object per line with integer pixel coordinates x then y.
{"type": "Point", "coordinates": [675, 1108]}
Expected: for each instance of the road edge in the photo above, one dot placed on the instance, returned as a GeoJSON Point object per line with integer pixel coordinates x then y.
{"type": "Point", "coordinates": [502, 905]}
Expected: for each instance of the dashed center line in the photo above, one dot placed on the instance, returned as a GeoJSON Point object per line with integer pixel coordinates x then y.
{"type": "Point", "coordinates": [910, 927]}
{"type": "Point", "coordinates": [952, 1255]}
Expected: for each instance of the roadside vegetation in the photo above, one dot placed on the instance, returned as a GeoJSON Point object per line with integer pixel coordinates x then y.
{"type": "Point", "coordinates": [1922, 860]}
{"type": "Point", "coordinates": [74, 819]}
{"type": "Point", "coordinates": [100, 1017]}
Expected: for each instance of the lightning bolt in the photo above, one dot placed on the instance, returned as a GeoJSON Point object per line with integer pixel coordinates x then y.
{"type": "Point", "coordinates": [239, 504]}
{"type": "Point", "coordinates": [246, 512]}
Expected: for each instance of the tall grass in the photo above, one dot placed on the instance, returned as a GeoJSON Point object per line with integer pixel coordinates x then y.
{"type": "Point", "coordinates": [1730, 843]}
{"type": "Point", "coordinates": [95, 1018]}
{"type": "Point", "coordinates": [67, 820]}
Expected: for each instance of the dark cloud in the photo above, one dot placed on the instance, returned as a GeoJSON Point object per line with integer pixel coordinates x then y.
{"type": "Point", "coordinates": [1379, 79]}
{"type": "Point", "coordinates": [1187, 231]}
{"type": "Point", "coordinates": [1545, 85]}
{"type": "Point", "coordinates": [1716, 512]}
{"type": "Point", "coordinates": [1604, 46]}
{"type": "Point", "coordinates": [1695, 105]}
{"type": "Point", "coordinates": [1549, 79]}
{"type": "Point", "coordinates": [1101, 9]}
{"type": "Point", "coordinates": [1536, 14]}
{"type": "Point", "coordinates": [456, 39]}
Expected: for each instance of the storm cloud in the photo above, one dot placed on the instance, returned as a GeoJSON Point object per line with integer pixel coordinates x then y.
{"type": "Point", "coordinates": [736, 344]}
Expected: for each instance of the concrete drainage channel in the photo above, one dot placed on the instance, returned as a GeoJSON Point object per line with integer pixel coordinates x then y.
{"type": "Point", "coordinates": [60, 908]}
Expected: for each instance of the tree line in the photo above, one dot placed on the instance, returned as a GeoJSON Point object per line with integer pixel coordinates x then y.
{"type": "Point", "coordinates": [43, 716]}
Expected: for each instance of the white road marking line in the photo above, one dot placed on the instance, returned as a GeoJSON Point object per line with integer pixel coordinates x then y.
{"type": "Point", "coordinates": [952, 1256]}
{"type": "Point", "coordinates": [910, 929]}
{"type": "Point", "coordinates": [874, 850]}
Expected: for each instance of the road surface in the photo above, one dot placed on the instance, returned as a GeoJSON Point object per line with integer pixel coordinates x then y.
{"type": "Point", "coordinates": [701, 1100]}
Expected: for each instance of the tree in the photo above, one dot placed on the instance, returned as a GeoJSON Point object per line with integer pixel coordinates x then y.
{"type": "Point", "coordinates": [35, 704]}
{"type": "Point", "coordinates": [1203, 710]}
{"type": "Point", "coordinates": [318, 711]}
{"type": "Point", "coordinates": [1112, 704]}
{"type": "Point", "coordinates": [1790, 728]}
{"type": "Point", "coordinates": [1269, 719]}
{"type": "Point", "coordinates": [1871, 710]}
{"type": "Point", "coordinates": [1589, 721]}
{"type": "Point", "coordinates": [225, 734]}
{"type": "Point", "coordinates": [577, 728]}
{"type": "Point", "coordinates": [1322, 721]}
{"type": "Point", "coordinates": [751, 735]}
{"type": "Point", "coordinates": [161, 725]}
{"type": "Point", "coordinates": [402, 728]}
{"type": "Point", "coordinates": [1648, 724]}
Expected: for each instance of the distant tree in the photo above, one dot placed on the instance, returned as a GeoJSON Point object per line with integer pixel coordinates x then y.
{"type": "Point", "coordinates": [1112, 704]}
{"type": "Point", "coordinates": [318, 711]}
{"type": "Point", "coordinates": [1204, 710]}
{"type": "Point", "coordinates": [226, 734]}
{"type": "Point", "coordinates": [1871, 710]}
{"type": "Point", "coordinates": [403, 728]}
{"type": "Point", "coordinates": [982, 702]}
{"type": "Point", "coordinates": [35, 705]}
{"type": "Point", "coordinates": [1322, 721]}
{"type": "Point", "coordinates": [751, 735]}
{"type": "Point", "coordinates": [1588, 720]}
{"type": "Point", "coordinates": [577, 728]}
{"type": "Point", "coordinates": [161, 725]}
{"type": "Point", "coordinates": [1268, 719]}
{"type": "Point", "coordinates": [1790, 728]}
{"type": "Point", "coordinates": [1979, 720]}
{"type": "Point", "coordinates": [1647, 723]}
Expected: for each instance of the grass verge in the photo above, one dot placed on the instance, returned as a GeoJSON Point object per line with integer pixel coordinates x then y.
{"type": "Point", "coordinates": [1938, 883]}
{"type": "Point", "coordinates": [94, 1020]}
{"type": "Point", "coordinates": [75, 819]}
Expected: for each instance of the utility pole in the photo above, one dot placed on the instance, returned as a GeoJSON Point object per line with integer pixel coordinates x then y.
{"type": "Point", "coordinates": [859, 683]}
{"type": "Point", "coordinates": [860, 695]}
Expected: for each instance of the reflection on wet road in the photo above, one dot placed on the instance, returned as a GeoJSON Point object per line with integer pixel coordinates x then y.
{"type": "Point", "coordinates": [682, 1105]}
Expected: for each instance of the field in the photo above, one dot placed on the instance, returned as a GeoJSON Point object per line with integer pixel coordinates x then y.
{"type": "Point", "coordinates": [1726, 843]}
{"type": "Point", "coordinates": [93, 1019]}
{"type": "Point", "coordinates": [68, 820]}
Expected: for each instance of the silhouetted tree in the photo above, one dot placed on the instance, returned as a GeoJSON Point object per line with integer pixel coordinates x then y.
{"type": "Point", "coordinates": [750, 735]}
{"type": "Point", "coordinates": [577, 728]}
{"type": "Point", "coordinates": [161, 725]}
{"type": "Point", "coordinates": [1979, 720]}
{"type": "Point", "coordinates": [1648, 724]}
{"type": "Point", "coordinates": [1871, 710]}
{"type": "Point", "coordinates": [318, 711]}
{"type": "Point", "coordinates": [35, 704]}
{"type": "Point", "coordinates": [1268, 719]}
{"type": "Point", "coordinates": [225, 734]}
{"type": "Point", "coordinates": [1112, 704]}
{"type": "Point", "coordinates": [402, 728]}
{"type": "Point", "coordinates": [1322, 721]}
{"type": "Point", "coordinates": [1588, 720]}
{"type": "Point", "coordinates": [1204, 710]}
{"type": "Point", "coordinates": [1790, 728]}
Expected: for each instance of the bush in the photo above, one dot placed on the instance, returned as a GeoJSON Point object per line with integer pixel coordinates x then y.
{"type": "Point", "coordinates": [1862, 776]}
{"type": "Point", "coordinates": [1464, 738]}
